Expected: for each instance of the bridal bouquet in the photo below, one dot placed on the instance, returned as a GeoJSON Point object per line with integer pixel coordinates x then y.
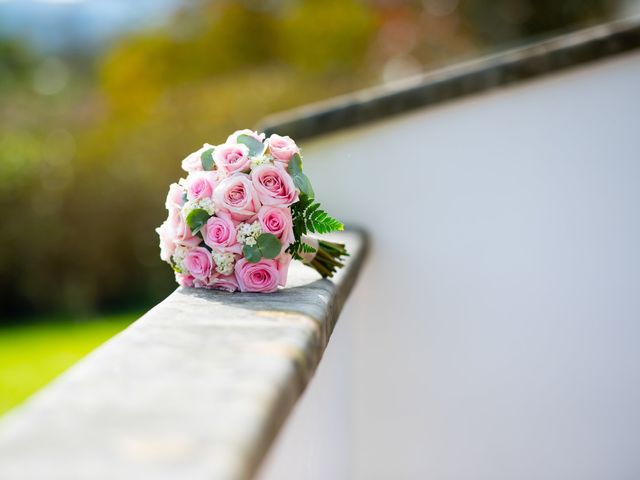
{"type": "Point", "coordinates": [241, 215]}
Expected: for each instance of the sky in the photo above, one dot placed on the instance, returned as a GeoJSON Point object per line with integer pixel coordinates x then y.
{"type": "Point", "coordinates": [55, 25]}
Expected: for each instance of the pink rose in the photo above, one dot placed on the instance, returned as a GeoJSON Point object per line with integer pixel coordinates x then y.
{"type": "Point", "coordinates": [233, 138]}
{"type": "Point", "coordinates": [263, 276]}
{"type": "Point", "coordinates": [184, 279]}
{"type": "Point", "coordinates": [283, 267]}
{"type": "Point", "coordinates": [231, 158]}
{"type": "Point", "coordinates": [278, 222]}
{"type": "Point", "coordinates": [201, 185]}
{"type": "Point", "coordinates": [237, 195]}
{"type": "Point", "coordinates": [282, 148]}
{"type": "Point", "coordinates": [182, 233]}
{"type": "Point", "coordinates": [198, 263]}
{"type": "Point", "coordinates": [220, 233]}
{"type": "Point", "coordinates": [274, 185]}
{"type": "Point", "coordinates": [175, 197]}
{"type": "Point", "coordinates": [228, 283]}
{"type": "Point", "coordinates": [193, 161]}
{"type": "Point", "coordinates": [167, 244]}
{"type": "Point", "coordinates": [198, 283]}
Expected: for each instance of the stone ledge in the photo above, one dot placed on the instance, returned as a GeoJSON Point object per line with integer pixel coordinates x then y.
{"type": "Point", "coordinates": [195, 389]}
{"type": "Point", "coordinates": [457, 81]}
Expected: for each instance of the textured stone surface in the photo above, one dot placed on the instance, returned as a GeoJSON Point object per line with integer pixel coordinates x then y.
{"type": "Point", "coordinates": [195, 389]}
{"type": "Point", "coordinates": [467, 78]}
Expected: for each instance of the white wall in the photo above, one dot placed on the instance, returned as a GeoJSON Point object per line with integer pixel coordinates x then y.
{"type": "Point", "coordinates": [316, 441]}
{"type": "Point", "coordinates": [497, 329]}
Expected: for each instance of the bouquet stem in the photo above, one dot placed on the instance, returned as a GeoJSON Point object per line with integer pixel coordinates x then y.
{"type": "Point", "coordinates": [326, 258]}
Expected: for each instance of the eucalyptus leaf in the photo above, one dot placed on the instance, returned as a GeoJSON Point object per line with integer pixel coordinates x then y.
{"type": "Point", "coordinates": [269, 245]}
{"type": "Point", "coordinates": [256, 147]}
{"type": "Point", "coordinates": [197, 219]}
{"type": "Point", "coordinates": [295, 164]}
{"type": "Point", "coordinates": [304, 184]}
{"type": "Point", "coordinates": [300, 180]}
{"type": "Point", "coordinates": [207, 159]}
{"type": "Point", "coordinates": [252, 253]}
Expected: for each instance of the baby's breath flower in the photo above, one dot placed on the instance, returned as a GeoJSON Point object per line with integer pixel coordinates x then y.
{"type": "Point", "coordinates": [205, 204]}
{"type": "Point", "coordinates": [188, 207]}
{"type": "Point", "coordinates": [224, 262]}
{"type": "Point", "coordinates": [248, 233]}
{"type": "Point", "coordinates": [178, 259]}
{"type": "Point", "coordinates": [261, 159]}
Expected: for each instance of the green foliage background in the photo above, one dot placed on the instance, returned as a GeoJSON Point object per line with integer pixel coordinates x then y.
{"type": "Point", "coordinates": [34, 354]}
{"type": "Point", "coordinates": [84, 173]}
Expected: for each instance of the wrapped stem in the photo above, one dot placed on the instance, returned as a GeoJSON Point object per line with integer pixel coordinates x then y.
{"type": "Point", "coordinates": [326, 257]}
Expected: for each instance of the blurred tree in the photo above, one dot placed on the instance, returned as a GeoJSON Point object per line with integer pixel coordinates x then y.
{"type": "Point", "coordinates": [320, 37]}
{"type": "Point", "coordinates": [16, 62]}
{"type": "Point", "coordinates": [325, 36]}
{"type": "Point", "coordinates": [162, 94]}
{"type": "Point", "coordinates": [500, 21]}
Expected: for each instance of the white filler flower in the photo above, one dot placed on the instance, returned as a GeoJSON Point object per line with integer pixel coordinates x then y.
{"type": "Point", "coordinates": [224, 262]}
{"type": "Point", "coordinates": [249, 233]}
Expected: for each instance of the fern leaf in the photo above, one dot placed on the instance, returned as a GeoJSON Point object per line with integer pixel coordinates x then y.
{"type": "Point", "coordinates": [306, 248]}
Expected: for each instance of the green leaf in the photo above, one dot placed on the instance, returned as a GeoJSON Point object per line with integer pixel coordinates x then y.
{"type": "Point", "coordinates": [269, 245]}
{"type": "Point", "coordinates": [306, 248]}
{"type": "Point", "coordinates": [304, 184]}
{"type": "Point", "coordinates": [321, 222]}
{"type": "Point", "coordinates": [299, 224]}
{"type": "Point", "coordinates": [207, 159]}
{"type": "Point", "coordinates": [299, 178]}
{"type": "Point", "coordinates": [197, 219]}
{"type": "Point", "coordinates": [308, 217]}
{"type": "Point", "coordinates": [295, 164]}
{"type": "Point", "coordinates": [252, 253]}
{"type": "Point", "coordinates": [256, 147]}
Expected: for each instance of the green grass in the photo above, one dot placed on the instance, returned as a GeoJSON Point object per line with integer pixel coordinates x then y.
{"type": "Point", "coordinates": [34, 354]}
